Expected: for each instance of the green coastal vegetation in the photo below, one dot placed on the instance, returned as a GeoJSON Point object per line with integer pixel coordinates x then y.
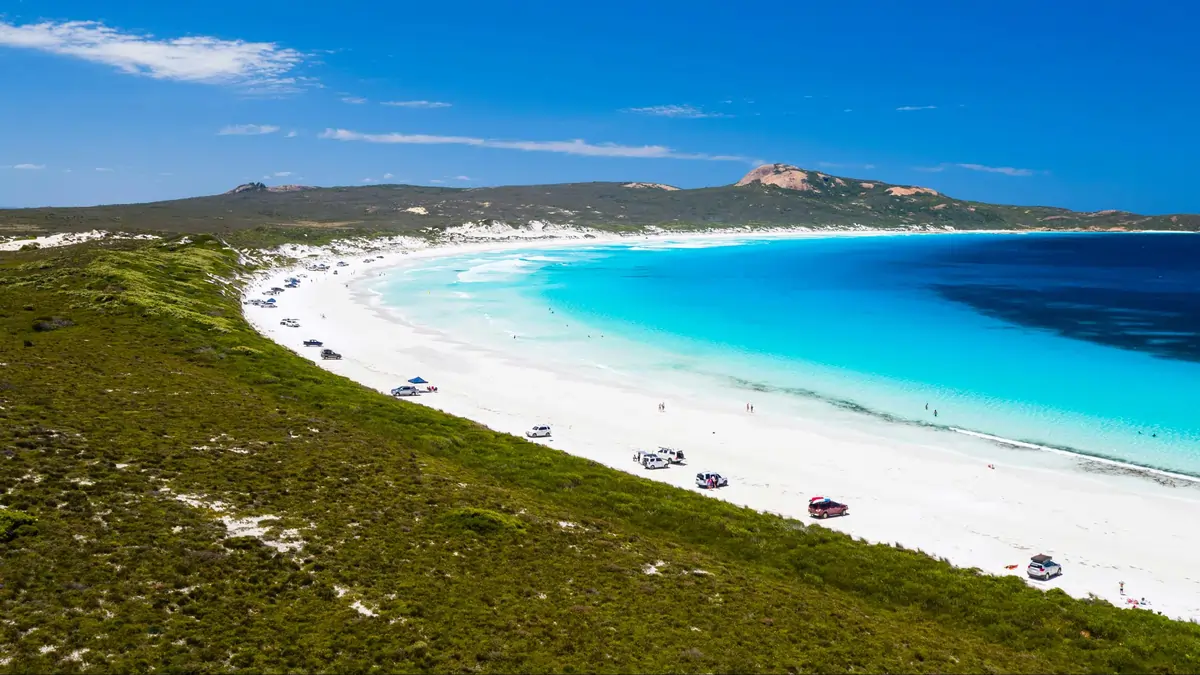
{"type": "Point", "coordinates": [180, 494]}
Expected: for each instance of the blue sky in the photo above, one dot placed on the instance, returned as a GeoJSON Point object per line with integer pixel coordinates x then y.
{"type": "Point", "coordinates": [1088, 105]}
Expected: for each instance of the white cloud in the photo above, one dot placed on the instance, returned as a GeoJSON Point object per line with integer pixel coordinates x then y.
{"type": "Point", "coordinates": [387, 176]}
{"type": "Point", "coordinates": [462, 178]}
{"type": "Point", "coordinates": [682, 111]}
{"type": "Point", "coordinates": [282, 174]}
{"type": "Point", "coordinates": [417, 104]}
{"type": "Point", "coordinates": [291, 134]}
{"type": "Point", "coordinates": [1006, 170]}
{"type": "Point", "coordinates": [572, 147]}
{"type": "Point", "coordinates": [104, 169]}
{"type": "Point", "coordinates": [248, 130]}
{"type": "Point", "coordinates": [262, 65]}
{"type": "Point", "coordinates": [354, 100]}
{"type": "Point", "coordinates": [908, 108]}
{"type": "Point", "coordinates": [29, 167]}
{"type": "Point", "coordinates": [839, 165]}
{"type": "Point", "coordinates": [436, 180]}
{"type": "Point", "coordinates": [369, 180]}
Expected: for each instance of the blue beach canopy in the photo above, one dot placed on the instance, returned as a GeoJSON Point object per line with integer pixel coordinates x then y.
{"type": "Point", "coordinates": [418, 380]}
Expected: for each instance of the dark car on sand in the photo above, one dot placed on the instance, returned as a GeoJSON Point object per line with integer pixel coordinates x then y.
{"type": "Point", "coordinates": [824, 507]}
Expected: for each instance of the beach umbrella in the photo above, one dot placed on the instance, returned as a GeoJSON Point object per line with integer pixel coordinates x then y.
{"type": "Point", "coordinates": [418, 380]}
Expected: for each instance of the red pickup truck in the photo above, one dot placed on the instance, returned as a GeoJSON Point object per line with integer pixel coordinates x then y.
{"type": "Point", "coordinates": [823, 507]}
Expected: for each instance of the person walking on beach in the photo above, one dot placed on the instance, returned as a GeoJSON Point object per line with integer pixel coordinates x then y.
{"type": "Point", "coordinates": [1122, 585]}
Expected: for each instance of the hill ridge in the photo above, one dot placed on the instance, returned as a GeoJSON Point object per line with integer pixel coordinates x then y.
{"type": "Point", "coordinates": [773, 195]}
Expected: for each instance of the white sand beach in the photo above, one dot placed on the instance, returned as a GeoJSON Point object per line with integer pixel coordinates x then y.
{"type": "Point", "coordinates": [926, 489]}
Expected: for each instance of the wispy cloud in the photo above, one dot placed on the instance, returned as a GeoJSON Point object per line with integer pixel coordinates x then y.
{"type": "Point", "coordinates": [572, 147]}
{"type": "Point", "coordinates": [248, 130]}
{"type": "Point", "coordinates": [281, 174]}
{"type": "Point", "coordinates": [28, 167]}
{"type": "Point", "coordinates": [680, 111]}
{"type": "Point", "coordinates": [418, 104]}
{"type": "Point", "coordinates": [387, 176]}
{"type": "Point", "coordinates": [462, 178]}
{"type": "Point", "coordinates": [264, 66]}
{"type": "Point", "coordinates": [909, 108]}
{"type": "Point", "coordinates": [1005, 170]}
{"type": "Point", "coordinates": [436, 181]}
{"type": "Point", "coordinates": [839, 165]}
{"type": "Point", "coordinates": [369, 180]}
{"type": "Point", "coordinates": [103, 169]}
{"type": "Point", "coordinates": [291, 134]}
{"type": "Point", "coordinates": [354, 100]}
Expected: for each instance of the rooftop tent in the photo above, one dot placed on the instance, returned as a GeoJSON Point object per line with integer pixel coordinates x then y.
{"type": "Point", "coordinates": [418, 380]}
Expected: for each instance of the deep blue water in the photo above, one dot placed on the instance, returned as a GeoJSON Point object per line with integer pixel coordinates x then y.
{"type": "Point", "coordinates": [1089, 342]}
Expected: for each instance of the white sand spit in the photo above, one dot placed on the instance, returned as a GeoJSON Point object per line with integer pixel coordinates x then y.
{"type": "Point", "coordinates": [67, 239]}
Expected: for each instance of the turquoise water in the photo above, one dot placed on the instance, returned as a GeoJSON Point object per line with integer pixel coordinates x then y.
{"type": "Point", "coordinates": [1081, 342]}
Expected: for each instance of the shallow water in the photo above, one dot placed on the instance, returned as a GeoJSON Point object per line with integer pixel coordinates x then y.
{"type": "Point", "coordinates": [1089, 342]}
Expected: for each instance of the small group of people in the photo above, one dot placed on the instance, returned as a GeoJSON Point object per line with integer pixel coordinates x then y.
{"type": "Point", "coordinates": [662, 407]}
{"type": "Point", "coordinates": [750, 407]}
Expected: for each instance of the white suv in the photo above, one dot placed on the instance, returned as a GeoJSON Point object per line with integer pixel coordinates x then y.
{"type": "Point", "coordinates": [1043, 568]}
{"type": "Point", "coordinates": [540, 431]}
{"type": "Point", "coordinates": [651, 460]}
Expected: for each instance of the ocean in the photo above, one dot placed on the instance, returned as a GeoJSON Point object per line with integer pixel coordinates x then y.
{"type": "Point", "coordinates": [1088, 343]}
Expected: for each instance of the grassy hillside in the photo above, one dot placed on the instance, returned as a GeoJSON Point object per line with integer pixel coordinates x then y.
{"type": "Point", "coordinates": [402, 208]}
{"type": "Point", "coordinates": [147, 432]}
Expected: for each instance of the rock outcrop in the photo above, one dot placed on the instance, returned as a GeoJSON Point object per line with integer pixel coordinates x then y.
{"type": "Point", "coordinates": [651, 186]}
{"type": "Point", "coordinates": [262, 187]}
{"type": "Point", "coordinates": [780, 175]}
{"type": "Point", "coordinates": [910, 191]}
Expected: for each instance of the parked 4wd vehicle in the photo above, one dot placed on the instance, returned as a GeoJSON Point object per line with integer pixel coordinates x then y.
{"type": "Point", "coordinates": [1043, 568]}
{"type": "Point", "coordinates": [824, 507]}
{"type": "Point", "coordinates": [672, 455]}
{"type": "Point", "coordinates": [709, 479]}
{"type": "Point", "coordinates": [330, 354]}
{"type": "Point", "coordinates": [313, 343]}
{"type": "Point", "coordinates": [539, 431]}
{"type": "Point", "coordinates": [406, 390]}
{"type": "Point", "coordinates": [652, 460]}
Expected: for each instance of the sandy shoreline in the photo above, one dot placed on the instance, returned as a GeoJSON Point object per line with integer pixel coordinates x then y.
{"type": "Point", "coordinates": [923, 488]}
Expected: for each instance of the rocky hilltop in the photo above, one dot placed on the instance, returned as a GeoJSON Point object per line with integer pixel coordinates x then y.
{"type": "Point", "coordinates": [774, 195]}
{"type": "Point", "coordinates": [794, 178]}
{"type": "Point", "coordinates": [262, 187]}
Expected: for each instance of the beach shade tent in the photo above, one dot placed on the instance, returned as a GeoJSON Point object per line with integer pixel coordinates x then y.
{"type": "Point", "coordinates": [418, 380]}
{"type": "Point", "coordinates": [271, 301]}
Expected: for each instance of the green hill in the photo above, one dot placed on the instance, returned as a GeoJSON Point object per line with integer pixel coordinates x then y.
{"type": "Point", "coordinates": [826, 200]}
{"type": "Point", "coordinates": [180, 494]}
